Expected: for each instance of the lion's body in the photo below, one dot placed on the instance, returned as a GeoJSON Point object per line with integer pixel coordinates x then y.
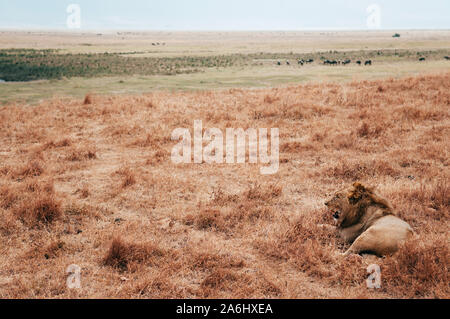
{"type": "Point", "coordinates": [381, 238]}
{"type": "Point", "coordinates": [368, 222]}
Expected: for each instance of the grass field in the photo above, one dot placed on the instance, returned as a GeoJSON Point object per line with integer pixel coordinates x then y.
{"type": "Point", "coordinates": [86, 176]}
{"type": "Point", "coordinates": [91, 183]}
{"type": "Point", "coordinates": [250, 77]}
{"type": "Point", "coordinates": [217, 43]}
{"type": "Point", "coordinates": [71, 64]}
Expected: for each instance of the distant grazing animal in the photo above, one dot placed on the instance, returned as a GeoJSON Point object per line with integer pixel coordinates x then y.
{"type": "Point", "coordinates": [288, 63]}
{"type": "Point", "coordinates": [279, 63]}
{"type": "Point", "coordinates": [330, 62]}
{"type": "Point", "coordinates": [358, 62]}
{"type": "Point", "coordinates": [447, 57]}
{"type": "Point", "coordinates": [309, 61]}
{"type": "Point", "coordinates": [300, 62]}
{"type": "Point", "coordinates": [346, 62]}
{"type": "Point", "coordinates": [367, 221]}
{"type": "Point", "coordinates": [422, 59]}
{"type": "Point", "coordinates": [368, 62]}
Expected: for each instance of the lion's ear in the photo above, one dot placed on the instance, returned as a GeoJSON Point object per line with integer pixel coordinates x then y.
{"type": "Point", "coordinates": [354, 197]}
{"type": "Point", "coordinates": [357, 193]}
{"type": "Point", "coordinates": [359, 187]}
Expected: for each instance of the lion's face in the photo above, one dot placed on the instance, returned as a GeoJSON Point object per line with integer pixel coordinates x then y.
{"type": "Point", "coordinates": [349, 205]}
{"type": "Point", "coordinates": [338, 204]}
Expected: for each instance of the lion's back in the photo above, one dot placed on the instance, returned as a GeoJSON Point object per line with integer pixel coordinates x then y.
{"type": "Point", "coordinates": [388, 232]}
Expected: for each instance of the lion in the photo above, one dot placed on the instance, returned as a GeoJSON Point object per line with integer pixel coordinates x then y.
{"type": "Point", "coordinates": [367, 221]}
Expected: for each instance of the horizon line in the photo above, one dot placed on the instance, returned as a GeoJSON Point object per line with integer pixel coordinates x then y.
{"type": "Point", "coordinates": [81, 30]}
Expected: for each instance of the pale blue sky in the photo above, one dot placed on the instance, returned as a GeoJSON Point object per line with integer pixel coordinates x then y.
{"type": "Point", "coordinates": [225, 14]}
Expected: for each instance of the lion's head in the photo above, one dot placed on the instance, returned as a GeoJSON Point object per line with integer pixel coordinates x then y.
{"type": "Point", "coordinates": [348, 206]}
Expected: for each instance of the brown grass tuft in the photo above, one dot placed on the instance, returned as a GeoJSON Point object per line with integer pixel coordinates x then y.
{"type": "Point", "coordinates": [128, 179]}
{"type": "Point", "coordinates": [127, 256]}
{"type": "Point", "coordinates": [206, 261]}
{"type": "Point", "coordinates": [257, 192]}
{"type": "Point", "coordinates": [31, 169]}
{"type": "Point", "coordinates": [270, 99]}
{"type": "Point", "coordinates": [219, 279]}
{"type": "Point", "coordinates": [88, 99]}
{"type": "Point", "coordinates": [367, 131]}
{"type": "Point", "coordinates": [206, 219]}
{"type": "Point", "coordinates": [418, 269]}
{"type": "Point", "coordinates": [41, 208]}
{"type": "Point", "coordinates": [8, 196]}
{"type": "Point", "coordinates": [81, 154]}
{"type": "Point", "coordinates": [52, 250]}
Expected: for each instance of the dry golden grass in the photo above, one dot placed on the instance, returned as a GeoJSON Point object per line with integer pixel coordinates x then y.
{"type": "Point", "coordinates": [90, 182]}
{"type": "Point", "coordinates": [176, 43]}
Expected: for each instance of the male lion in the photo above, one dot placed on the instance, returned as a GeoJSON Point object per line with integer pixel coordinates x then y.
{"type": "Point", "coordinates": [368, 221]}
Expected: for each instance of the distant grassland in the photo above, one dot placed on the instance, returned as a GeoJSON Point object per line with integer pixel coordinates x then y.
{"type": "Point", "coordinates": [29, 64]}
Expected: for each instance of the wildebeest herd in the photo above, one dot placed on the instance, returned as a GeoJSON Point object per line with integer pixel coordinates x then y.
{"type": "Point", "coordinates": [327, 62]}
{"type": "Point", "coordinates": [345, 62]}
{"type": "Point", "coordinates": [341, 62]}
{"type": "Point", "coordinates": [300, 62]}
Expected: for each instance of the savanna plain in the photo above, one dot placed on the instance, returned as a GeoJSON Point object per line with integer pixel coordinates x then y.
{"type": "Point", "coordinates": [86, 176]}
